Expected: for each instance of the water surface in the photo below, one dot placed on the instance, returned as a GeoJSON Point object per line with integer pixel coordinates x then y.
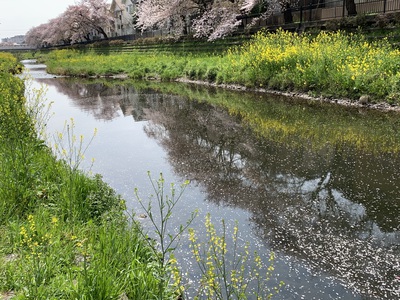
{"type": "Point", "coordinates": [315, 183]}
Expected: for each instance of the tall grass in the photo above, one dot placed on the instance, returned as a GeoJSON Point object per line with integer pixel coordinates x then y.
{"type": "Point", "coordinates": [53, 259]}
{"type": "Point", "coordinates": [18, 146]}
{"type": "Point", "coordinates": [336, 64]}
{"type": "Point", "coordinates": [329, 64]}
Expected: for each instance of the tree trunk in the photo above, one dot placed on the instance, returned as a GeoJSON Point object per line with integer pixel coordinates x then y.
{"type": "Point", "coordinates": [101, 31]}
{"type": "Point", "coordinates": [351, 7]}
{"type": "Point", "coordinates": [184, 29]}
{"type": "Point", "coordinates": [287, 14]}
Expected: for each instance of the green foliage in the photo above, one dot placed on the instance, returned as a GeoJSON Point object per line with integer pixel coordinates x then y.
{"type": "Point", "coordinates": [9, 63]}
{"type": "Point", "coordinates": [18, 147]}
{"type": "Point", "coordinates": [50, 259]}
{"type": "Point", "coordinates": [167, 239]}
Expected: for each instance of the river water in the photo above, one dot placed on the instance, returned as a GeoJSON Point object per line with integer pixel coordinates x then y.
{"type": "Point", "coordinates": [315, 183]}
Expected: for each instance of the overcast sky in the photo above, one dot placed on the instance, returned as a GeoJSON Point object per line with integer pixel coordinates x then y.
{"type": "Point", "coordinates": [18, 16]}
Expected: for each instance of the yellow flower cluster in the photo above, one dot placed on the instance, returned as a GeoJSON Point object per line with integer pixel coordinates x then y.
{"type": "Point", "coordinates": [338, 63]}
{"type": "Point", "coordinates": [32, 239]}
{"type": "Point", "coordinates": [226, 275]}
{"type": "Point", "coordinates": [7, 62]}
{"type": "Point", "coordinates": [194, 245]}
{"type": "Point", "coordinates": [176, 276]}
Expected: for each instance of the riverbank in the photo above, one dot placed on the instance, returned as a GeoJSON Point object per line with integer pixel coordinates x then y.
{"type": "Point", "coordinates": [360, 103]}
{"type": "Point", "coordinates": [328, 66]}
{"type": "Point", "coordinates": [63, 233]}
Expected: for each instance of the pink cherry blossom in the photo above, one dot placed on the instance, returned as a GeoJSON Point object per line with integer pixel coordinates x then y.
{"type": "Point", "coordinates": [84, 21]}
{"type": "Point", "coordinates": [205, 18]}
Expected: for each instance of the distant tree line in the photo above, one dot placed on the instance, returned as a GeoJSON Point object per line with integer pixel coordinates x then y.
{"type": "Point", "coordinates": [92, 19]}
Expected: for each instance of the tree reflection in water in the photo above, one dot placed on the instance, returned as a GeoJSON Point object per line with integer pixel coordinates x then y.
{"type": "Point", "coordinates": [336, 206]}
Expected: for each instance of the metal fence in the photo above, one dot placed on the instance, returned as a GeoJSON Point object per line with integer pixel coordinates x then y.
{"type": "Point", "coordinates": [322, 10]}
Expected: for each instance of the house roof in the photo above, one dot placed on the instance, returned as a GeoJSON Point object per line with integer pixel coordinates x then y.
{"type": "Point", "coordinates": [117, 5]}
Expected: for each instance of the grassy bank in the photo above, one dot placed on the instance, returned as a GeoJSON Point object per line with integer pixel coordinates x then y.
{"type": "Point", "coordinates": [329, 64]}
{"type": "Point", "coordinates": [63, 234]}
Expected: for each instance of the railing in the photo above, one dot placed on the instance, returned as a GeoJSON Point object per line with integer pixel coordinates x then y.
{"type": "Point", "coordinates": [325, 10]}
{"type": "Point", "coordinates": [182, 47]}
{"type": "Point", "coordinates": [11, 48]}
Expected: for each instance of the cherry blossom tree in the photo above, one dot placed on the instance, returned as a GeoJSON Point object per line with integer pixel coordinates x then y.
{"type": "Point", "coordinates": [208, 18]}
{"type": "Point", "coordinates": [87, 19]}
{"type": "Point", "coordinates": [80, 22]}
{"type": "Point", "coordinates": [35, 36]}
{"type": "Point", "coordinates": [167, 13]}
{"type": "Point", "coordinates": [57, 32]}
{"type": "Point", "coordinates": [219, 20]}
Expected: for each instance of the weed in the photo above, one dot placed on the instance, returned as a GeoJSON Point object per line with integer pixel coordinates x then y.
{"type": "Point", "coordinates": [225, 272]}
{"type": "Point", "coordinates": [225, 269]}
{"type": "Point", "coordinates": [167, 240]}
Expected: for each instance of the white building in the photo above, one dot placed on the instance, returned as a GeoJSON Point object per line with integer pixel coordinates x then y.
{"type": "Point", "coordinates": [18, 40]}
{"type": "Point", "coordinates": [124, 15]}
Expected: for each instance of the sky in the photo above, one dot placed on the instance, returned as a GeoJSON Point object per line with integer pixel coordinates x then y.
{"type": "Point", "coordinates": [18, 16]}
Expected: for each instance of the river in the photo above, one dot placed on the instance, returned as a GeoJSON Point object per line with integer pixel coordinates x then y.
{"type": "Point", "coordinates": [317, 184]}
